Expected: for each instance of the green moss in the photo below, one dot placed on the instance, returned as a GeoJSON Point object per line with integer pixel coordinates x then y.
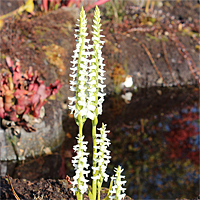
{"type": "Point", "coordinates": [65, 31]}
{"type": "Point", "coordinates": [162, 38]}
{"type": "Point", "coordinates": [31, 45]}
{"type": "Point", "coordinates": [41, 40]}
{"type": "Point", "coordinates": [43, 28]}
{"type": "Point", "coordinates": [39, 32]}
{"type": "Point", "coordinates": [3, 56]}
{"type": "Point", "coordinates": [190, 33]}
{"type": "Point", "coordinates": [153, 20]}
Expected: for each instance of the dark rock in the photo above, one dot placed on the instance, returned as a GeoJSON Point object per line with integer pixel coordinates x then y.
{"type": "Point", "coordinates": [48, 136]}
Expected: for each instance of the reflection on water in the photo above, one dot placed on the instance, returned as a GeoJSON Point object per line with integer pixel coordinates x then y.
{"type": "Point", "coordinates": [160, 155]}
{"type": "Point", "coordinates": [155, 138]}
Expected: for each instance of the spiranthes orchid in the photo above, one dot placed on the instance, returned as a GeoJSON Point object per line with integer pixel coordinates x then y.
{"type": "Point", "coordinates": [96, 68]}
{"type": "Point", "coordinates": [88, 84]}
{"type": "Point", "coordinates": [117, 191]}
{"type": "Point", "coordinates": [80, 165]}
{"type": "Point", "coordinates": [79, 72]}
{"type": "Point", "coordinates": [96, 80]}
{"type": "Point", "coordinates": [102, 158]}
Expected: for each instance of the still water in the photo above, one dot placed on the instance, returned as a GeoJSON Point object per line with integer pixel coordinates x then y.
{"type": "Point", "coordinates": [155, 138]}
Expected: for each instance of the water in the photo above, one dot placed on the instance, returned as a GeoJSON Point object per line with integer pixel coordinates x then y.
{"type": "Point", "coordinates": [160, 155]}
{"type": "Point", "coordinates": [155, 139]}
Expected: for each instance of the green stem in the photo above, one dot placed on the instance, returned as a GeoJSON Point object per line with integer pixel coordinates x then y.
{"type": "Point", "coordinates": [99, 193]}
{"type": "Point", "coordinates": [80, 127]}
{"type": "Point", "coordinates": [78, 194]}
{"type": "Point", "coordinates": [99, 187]}
{"type": "Point", "coordinates": [94, 183]}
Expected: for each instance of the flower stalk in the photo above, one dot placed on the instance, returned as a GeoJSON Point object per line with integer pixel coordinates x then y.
{"type": "Point", "coordinates": [102, 158]}
{"type": "Point", "coordinates": [88, 84]}
{"type": "Point", "coordinates": [80, 164]}
{"type": "Point", "coordinates": [79, 72]}
{"type": "Point", "coordinates": [96, 79]}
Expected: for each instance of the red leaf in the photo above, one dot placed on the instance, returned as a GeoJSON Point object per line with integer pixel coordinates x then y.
{"type": "Point", "coordinates": [20, 109]}
{"type": "Point", "coordinates": [45, 4]}
{"type": "Point", "coordinates": [29, 73]}
{"type": "Point", "coordinates": [17, 75]}
{"type": "Point", "coordinates": [70, 2]}
{"type": "Point", "coordinates": [36, 111]}
{"type": "Point", "coordinates": [21, 97]}
{"type": "Point", "coordinates": [43, 92]}
{"type": "Point", "coordinates": [13, 115]}
{"type": "Point", "coordinates": [35, 99]}
{"type": "Point", "coordinates": [2, 111]}
{"type": "Point", "coordinates": [98, 3]}
{"type": "Point", "coordinates": [55, 87]}
{"type": "Point", "coordinates": [27, 110]}
{"type": "Point", "coordinates": [9, 61]}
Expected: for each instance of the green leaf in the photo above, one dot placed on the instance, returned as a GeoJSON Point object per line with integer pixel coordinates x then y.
{"type": "Point", "coordinates": [89, 193]}
{"type": "Point", "coordinates": [1, 24]}
{"type": "Point", "coordinates": [56, 6]}
{"type": "Point", "coordinates": [29, 6]}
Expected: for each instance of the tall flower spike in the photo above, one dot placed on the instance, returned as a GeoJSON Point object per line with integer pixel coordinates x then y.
{"type": "Point", "coordinates": [117, 191]}
{"type": "Point", "coordinates": [80, 164]}
{"type": "Point", "coordinates": [96, 70]}
{"type": "Point", "coordinates": [102, 157]}
{"type": "Point", "coordinates": [78, 104]}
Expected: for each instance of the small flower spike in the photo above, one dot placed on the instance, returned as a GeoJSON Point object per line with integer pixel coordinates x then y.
{"type": "Point", "coordinates": [80, 165]}
{"type": "Point", "coordinates": [117, 191]}
{"type": "Point", "coordinates": [79, 70]}
{"type": "Point", "coordinates": [102, 157]}
{"type": "Point", "coordinates": [96, 69]}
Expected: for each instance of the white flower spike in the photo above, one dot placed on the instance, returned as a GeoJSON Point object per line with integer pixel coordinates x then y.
{"type": "Point", "coordinates": [87, 71]}
{"type": "Point", "coordinates": [117, 191]}
{"type": "Point", "coordinates": [88, 84]}
{"type": "Point", "coordinates": [80, 165]}
{"type": "Point", "coordinates": [96, 68]}
{"type": "Point", "coordinates": [78, 104]}
{"type": "Point", "coordinates": [102, 157]}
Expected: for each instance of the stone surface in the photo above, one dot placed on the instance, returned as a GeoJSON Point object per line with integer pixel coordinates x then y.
{"type": "Point", "coordinates": [48, 136]}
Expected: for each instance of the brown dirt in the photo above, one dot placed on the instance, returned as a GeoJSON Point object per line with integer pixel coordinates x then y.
{"type": "Point", "coordinates": [133, 46]}
{"type": "Point", "coordinates": [46, 42]}
{"type": "Point", "coordinates": [43, 189]}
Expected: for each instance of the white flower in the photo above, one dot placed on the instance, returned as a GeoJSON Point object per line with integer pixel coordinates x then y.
{"type": "Point", "coordinates": [117, 191]}
{"type": "Point", "coordinates": [102, 157]}
{"type": "Point", "coordinates": [96, 68]}
{"type": "Point", "coordinates": [78, 104]}
{"type": "Point", "coordinates": [80, 164]}
{"type": "Point", "coordinates": [87, 71]}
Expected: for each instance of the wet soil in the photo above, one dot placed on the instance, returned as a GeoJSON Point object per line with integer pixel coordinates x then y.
{"type": "Point", "coordinates": [164, 52]}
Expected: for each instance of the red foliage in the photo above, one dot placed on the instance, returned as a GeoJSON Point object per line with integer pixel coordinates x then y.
{"type": "Point", "coordinates": [179, 138]}
{"type": "Point", "coordinates": [50, 4]}
{"type": "Point", "coordinates": [22, 93]}
{"type": "Point", "coordinates": [97, 3]}
{"type": "Point", "coordinates": [2, 111]}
